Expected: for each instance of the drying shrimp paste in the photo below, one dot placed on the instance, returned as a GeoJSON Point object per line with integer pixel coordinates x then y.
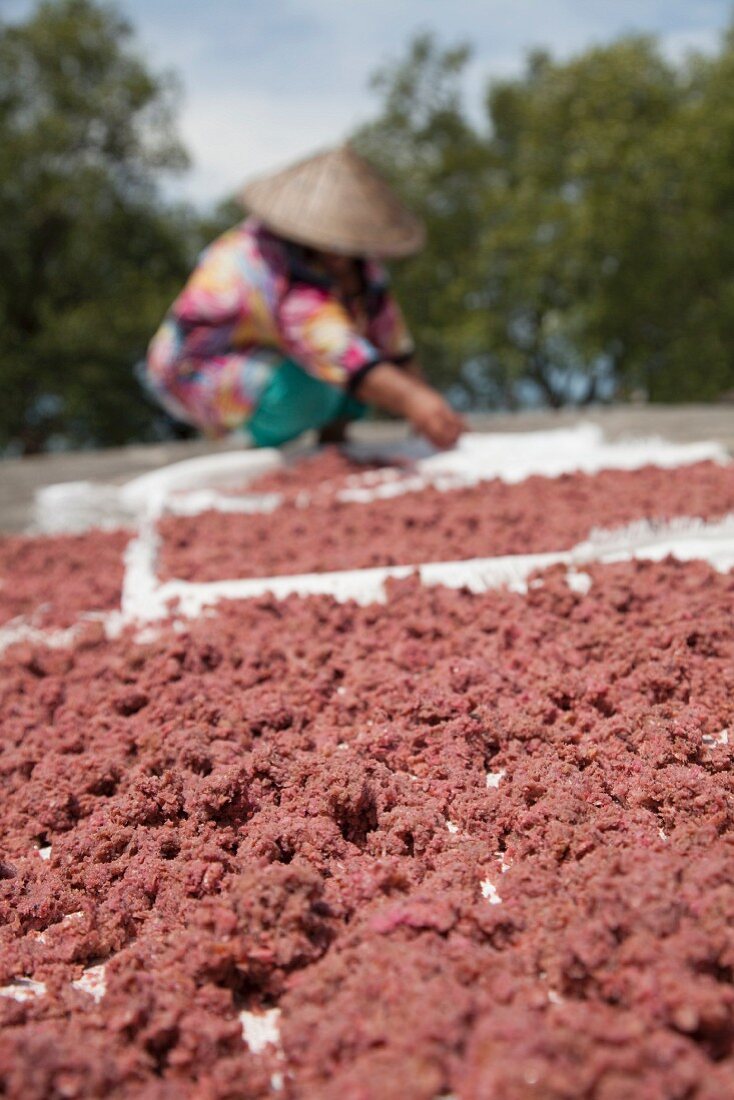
{"type": "Point", "coordinates": [453, 844]}
{"type": "Point", "coordinates": [490, 519]}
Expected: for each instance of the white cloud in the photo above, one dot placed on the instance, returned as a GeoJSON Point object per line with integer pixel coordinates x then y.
{"type": "Point", "coordinates": [237, 134]}
{"type": "Point", "coordinates": [678, 44]}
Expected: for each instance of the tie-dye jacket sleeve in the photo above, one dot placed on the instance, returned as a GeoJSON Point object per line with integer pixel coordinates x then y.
{"type": "Point", "coordinates": [216, 292]}
{"type": "Point", "coordinates": [318, 333]}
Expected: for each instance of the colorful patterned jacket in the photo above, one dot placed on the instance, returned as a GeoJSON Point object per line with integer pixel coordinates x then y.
{"type": "Point", "coordinates": [252, 300]}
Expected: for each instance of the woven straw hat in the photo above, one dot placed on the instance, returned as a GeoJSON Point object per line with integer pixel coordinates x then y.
{"type": "Point", "coordinates": [335, 201]}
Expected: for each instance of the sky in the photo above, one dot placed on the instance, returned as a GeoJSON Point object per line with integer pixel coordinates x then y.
{"type": "Point", "coordinates": [267, 81]}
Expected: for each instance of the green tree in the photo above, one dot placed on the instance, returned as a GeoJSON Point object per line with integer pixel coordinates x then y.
{"type": "Point", "coordinates": [425, 145]}
{"type": "Point", "coordinates": [580, 247]}
{"type": "Point", "coordinates": [572, 246]}
{"type": "Point", "coordinates": [693, 356]}
{"type": "Point", "coordinates": [91, 257]}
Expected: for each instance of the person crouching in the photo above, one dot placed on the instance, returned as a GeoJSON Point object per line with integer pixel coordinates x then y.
{"type": "Point", "coordinates": [287, 322]}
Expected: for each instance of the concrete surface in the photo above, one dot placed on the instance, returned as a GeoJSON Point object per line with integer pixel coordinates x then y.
{"type": "Point", "coordinates": [19, 478]}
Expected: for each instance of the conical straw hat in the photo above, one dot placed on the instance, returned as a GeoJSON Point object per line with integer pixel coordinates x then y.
{"type": "Point", "coordinates": [337, 202]}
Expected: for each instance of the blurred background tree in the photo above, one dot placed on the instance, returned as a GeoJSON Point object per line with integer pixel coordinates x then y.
{"type": "Point", "coordinates": [580, 243]}
{"type": "Point", "coordinates": [91, 257]}
{"type": "Point", "coordinates": [581, 231]}
{"type": "Point", "coordinates": [423, 142]}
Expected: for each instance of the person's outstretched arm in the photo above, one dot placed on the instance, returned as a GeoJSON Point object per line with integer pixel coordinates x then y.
{"type": "Point", "coordinates": [395, 391]}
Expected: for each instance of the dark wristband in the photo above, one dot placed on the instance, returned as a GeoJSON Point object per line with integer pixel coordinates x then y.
{"type": "Point", "coordinates": [355, 380]}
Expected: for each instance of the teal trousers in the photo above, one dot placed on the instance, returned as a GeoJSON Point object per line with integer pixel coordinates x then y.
{"type": "Point", "coordinates": [293, 401]}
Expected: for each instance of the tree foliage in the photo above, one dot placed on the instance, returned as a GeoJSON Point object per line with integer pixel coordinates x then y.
{"type": "Point", "coordinates": [424, 144]}
{"type": "Point", "coordinates": [90, 255]}
{"type": "Point", "coordinates": [581, 240]}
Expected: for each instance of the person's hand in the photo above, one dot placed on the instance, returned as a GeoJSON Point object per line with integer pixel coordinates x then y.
{"type": "Point", "coordinates": [433, 417]}
{"type": "Point", "coordinates": [392, 389]}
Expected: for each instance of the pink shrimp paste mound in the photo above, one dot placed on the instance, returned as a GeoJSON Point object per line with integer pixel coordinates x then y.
{"type": "Point", "coordinates": [490, 519]}
{"type": "Point", "coordinates": [52, 580]}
